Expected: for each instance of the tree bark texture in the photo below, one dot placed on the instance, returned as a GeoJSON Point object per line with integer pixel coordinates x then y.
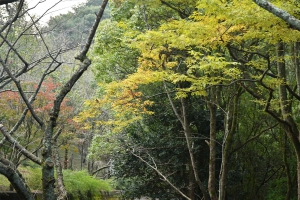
{"type": "Point", "coordinates": [192, 182]}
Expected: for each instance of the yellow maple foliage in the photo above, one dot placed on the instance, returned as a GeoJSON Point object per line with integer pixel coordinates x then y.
{"type": "Point", "coordinates": [192, 50]}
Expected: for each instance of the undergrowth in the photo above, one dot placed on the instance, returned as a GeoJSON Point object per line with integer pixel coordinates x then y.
{"type": "Point", "coordinates": [76, 182]}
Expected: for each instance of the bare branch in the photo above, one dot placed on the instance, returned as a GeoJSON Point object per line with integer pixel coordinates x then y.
{"type": "Point", "coordinates": [82, 54]}
{"type": "Point", "coordinates": [28, 104]}
{"type": "Point", "coordinates": [252, 138]}
{"type": "Point", "coordinates": [85, 63]}
{"type": "Point", "coordinates": [14, 50]}
{"type": "Point", "coordinates": [172, 104]}
{"type": "Point", "coordinates": [24, 151]}
{"type": "Point", "coordinates": [101, 168]}
{"type": "Point", "coordinates": [161, 174]}
{"type": "Point", "coordinates": [16, 16]}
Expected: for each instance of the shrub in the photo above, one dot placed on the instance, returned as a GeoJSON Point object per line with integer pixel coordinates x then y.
{"type": "Point", "coordinates": [33, 177]}
{"type": "Point", "coordinates": [80, 182]}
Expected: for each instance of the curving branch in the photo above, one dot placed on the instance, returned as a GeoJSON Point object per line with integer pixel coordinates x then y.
{"type": "Point", "coordinates": [284, 15]}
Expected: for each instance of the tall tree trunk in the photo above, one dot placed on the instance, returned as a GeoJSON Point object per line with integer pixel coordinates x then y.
{"type": "Point", "coordinates": [187, 133]}
{"type": "Point", "coordinates": [212, 145]}
{"type": "Point", "coordinates": [287, 168]}
{"type": "Point", "coordinates": [295, 54]}
{"type": "Point", "coordinates": [192, 182]}
{"type": "Point", "coordinates": [287, 122]}
{"type": "Point", "coordinates": [48, 179]}
{"type": "Point", "coordinates": [230, 127]}
{"type": "Point", "coordinates": [188, 136]}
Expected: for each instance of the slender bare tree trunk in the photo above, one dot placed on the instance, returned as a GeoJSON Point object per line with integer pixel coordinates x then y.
{"type": "Point", "coordinates": [187, 133]}
{"type": "Point", "coordinates": [212, 145]}
{"type": "Point", "coordinates": [230, 128]}
{"type": "Point", "coordinates": [188, 136]}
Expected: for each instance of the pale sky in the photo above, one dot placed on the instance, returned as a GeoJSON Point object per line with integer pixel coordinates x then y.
{"type": "Point", "coordinates": [63, 7]}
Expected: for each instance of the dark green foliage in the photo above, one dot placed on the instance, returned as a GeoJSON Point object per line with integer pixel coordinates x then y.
{"type": "Point", "coordinates": [159, 140]}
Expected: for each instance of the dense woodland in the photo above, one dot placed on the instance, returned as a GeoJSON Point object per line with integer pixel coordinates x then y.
{"type": "Point", "coordinates": [168, 99]}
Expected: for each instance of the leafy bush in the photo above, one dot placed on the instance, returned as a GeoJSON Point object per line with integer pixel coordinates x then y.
{"type": "Point", "coordinates": [81, 181]}
{"type": "Point", "coordinates": [33, 177]}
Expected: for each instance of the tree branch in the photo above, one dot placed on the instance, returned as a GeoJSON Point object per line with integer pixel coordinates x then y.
{"type": "Point", "coordinates": [287, 17]}
{"type": "Point", "coordinates": [101, 168]}
{"type": "Point", "coordinates": [82, 54]}
{"type": "Point", "coordinates": [24, 151]}
{"type": "Point", "coordinates": [8, 170]}
{"type": "Point", "coordinates": [17, 83]}
{"type": "Point", "coordinates": [160, 173]}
